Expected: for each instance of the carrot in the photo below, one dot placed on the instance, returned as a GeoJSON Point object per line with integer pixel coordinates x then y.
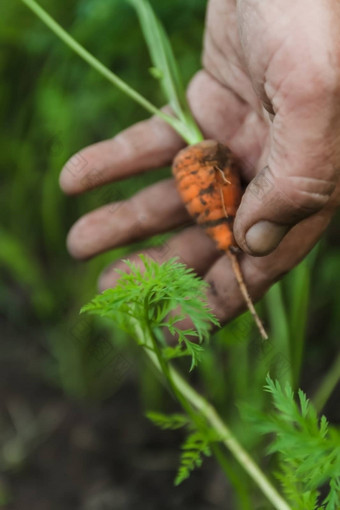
{"type": "Point", "coordinates": [207, 178]}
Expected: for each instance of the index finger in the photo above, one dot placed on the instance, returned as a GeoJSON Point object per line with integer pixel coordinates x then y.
{"type": "Point", "coordinates": [143, 146]}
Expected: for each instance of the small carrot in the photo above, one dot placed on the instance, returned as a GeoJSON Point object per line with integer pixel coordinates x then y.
{"type": "Point", "coordinates": [207, 178]}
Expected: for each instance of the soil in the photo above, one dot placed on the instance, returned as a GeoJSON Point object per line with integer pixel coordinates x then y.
{"type": "Point", "coordinates": [98, 455]}
{"type": "Point", "coordinates": [90, 456]}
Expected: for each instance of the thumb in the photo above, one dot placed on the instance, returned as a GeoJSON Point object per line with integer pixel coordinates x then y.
{"type": "Point", "coordinates": [291, 68]}
{"type": "Point", "coordinates": [298, 181]}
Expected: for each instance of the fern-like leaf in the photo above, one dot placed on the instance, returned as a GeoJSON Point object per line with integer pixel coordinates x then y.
{"type": "Point", "coordinates": [195, 446]}
{"type": "Point", "coordinates": [151, 296]}
{"type": "Point", "coordinates": [332, 501]}
{"type": "Point", "coordinates": [307, 447]}
{"type": "Point", "coordinates": [168, 421]}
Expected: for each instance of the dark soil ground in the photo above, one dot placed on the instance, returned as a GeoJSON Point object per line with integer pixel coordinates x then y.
{"type": "Point", "coordinates": [102, 455]}
{"type": "Point", "coordinates": [99, 456]}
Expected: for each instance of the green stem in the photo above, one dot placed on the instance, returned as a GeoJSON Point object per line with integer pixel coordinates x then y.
{"type": "Point", "coordinates": [212, 417]}
{"type": "Point", "coordinates": [176, 124]}
{"type": "Point", "coordinates": [280, 333]}
{"type": "Point", "coordinates": [231, 442]}
{"type": "Point", "coordinates": [328, 384]}
{"type": "Point", "coordinates": [299, 290]}
{"type": "Point", "coordinates": [165, 369]}
{"type": "Point", "coordinates": [162, 363]}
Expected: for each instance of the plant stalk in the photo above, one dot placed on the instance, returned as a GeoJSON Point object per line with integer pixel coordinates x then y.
{"type": "Point", "coordinates": [175, 123]}
{"type": "Point", "coordinates": [280, 328]}
{"type": "Point", "coordinates": [193, 415]}
{"type": "Point", "coordinates": [327, 386]}
{"type": "Point", "coordinates": [212, 417]}
{"type": "Point", "coordinates": [298, 317]}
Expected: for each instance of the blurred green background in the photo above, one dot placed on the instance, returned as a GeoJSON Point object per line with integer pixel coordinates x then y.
{"type": "Point", "coordinates": [72, 390]}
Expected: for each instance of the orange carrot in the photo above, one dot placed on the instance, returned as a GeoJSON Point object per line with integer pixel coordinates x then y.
{"type": "Point", "coordinates": [207, 177]}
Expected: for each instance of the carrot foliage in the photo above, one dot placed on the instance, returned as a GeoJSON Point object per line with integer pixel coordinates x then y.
{"type": "Point", "coordinates": [148, 301]}
{"type": "Point", "coordinates": [165, 67]}
{"type": "Point", "coordinates": [308, 449]}
{"type": "Point", "coordinates": [147, 296]}
{"type": "Point", "coordinates": [196, 445]}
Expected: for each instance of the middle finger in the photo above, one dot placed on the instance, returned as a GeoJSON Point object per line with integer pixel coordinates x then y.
{"type": "Point", "coordinates": [153, 210]}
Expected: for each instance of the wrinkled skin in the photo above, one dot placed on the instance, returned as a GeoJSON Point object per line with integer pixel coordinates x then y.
{"type": "Point", "coordinates": [270, 90]}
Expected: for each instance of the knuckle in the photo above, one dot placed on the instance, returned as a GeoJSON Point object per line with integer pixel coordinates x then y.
{"type": "Point", "coordinates": [311, 82]}
{"type": "Point", "coordinates": [322, 82]}
{"type": "Point", "coordinates": [126, 143]}
{"type": "Point", "coordinates": [77, 164]}
{"type": "Point", "coordinates": [141, 141]}
{"type": "Point", "coordinates": [309, 194]}
{"type": "Point", "coordinates": [132, 142]}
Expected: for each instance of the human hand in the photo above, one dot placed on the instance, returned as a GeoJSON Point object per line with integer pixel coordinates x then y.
{"type": "Point", "coordinates": [276, 56]}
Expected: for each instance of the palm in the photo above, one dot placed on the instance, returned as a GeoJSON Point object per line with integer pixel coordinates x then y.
{"type": "Point", "coordinates": [222, 96]}
{"type": "Point", "coordinates": [227, 109]}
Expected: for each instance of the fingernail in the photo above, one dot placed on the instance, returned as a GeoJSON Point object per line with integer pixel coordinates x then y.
{"type": "Point", "coordinates": [264, 237]}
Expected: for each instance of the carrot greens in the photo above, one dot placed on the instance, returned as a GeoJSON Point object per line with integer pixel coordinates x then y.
{"type": "Point", "coordinates": [181, 121]}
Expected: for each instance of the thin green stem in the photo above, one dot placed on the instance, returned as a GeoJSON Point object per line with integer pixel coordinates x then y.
{"type": "Point", "coordinates": [328, 385]}
{"type": "Point", "coordinates": [175, 123]}
{"type": "Point", "coordinates": [299, 291]}
{"type": "Point", "coordinates": [212, 417]}
{"type": "Point", "coordinates": [231, 442]}
{"type": "Point", "coordinates": [192, 414]}
{"type": "Point", "coordinates": [280, 332]}
{"type": "Point", "coordinates": [162, 363]}
{"type": "Point", "coordinates": [165, 368]}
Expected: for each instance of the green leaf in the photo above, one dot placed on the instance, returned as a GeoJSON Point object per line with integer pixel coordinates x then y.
{"type": "Point", "coordinates": [308, 449]}
{"type": "Point", "coordinates": [195, 351]}
{"type": "Point", "coordinates": [185, 126]}
{"type": "Point", "coordinates": [165, 68]}
{"type": "Point", "coordinates": [195, 446]}
{"type": "Point", "coordinates": [150, 295]}
{"type": "Point", "coordinates": [332, 501]}
{"type": "Point", "coordinates": [156, 73]}
{"type": "Point", "coordinates": [175, 352]}
{"type": "Point", "coordinates": [168, 421]}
